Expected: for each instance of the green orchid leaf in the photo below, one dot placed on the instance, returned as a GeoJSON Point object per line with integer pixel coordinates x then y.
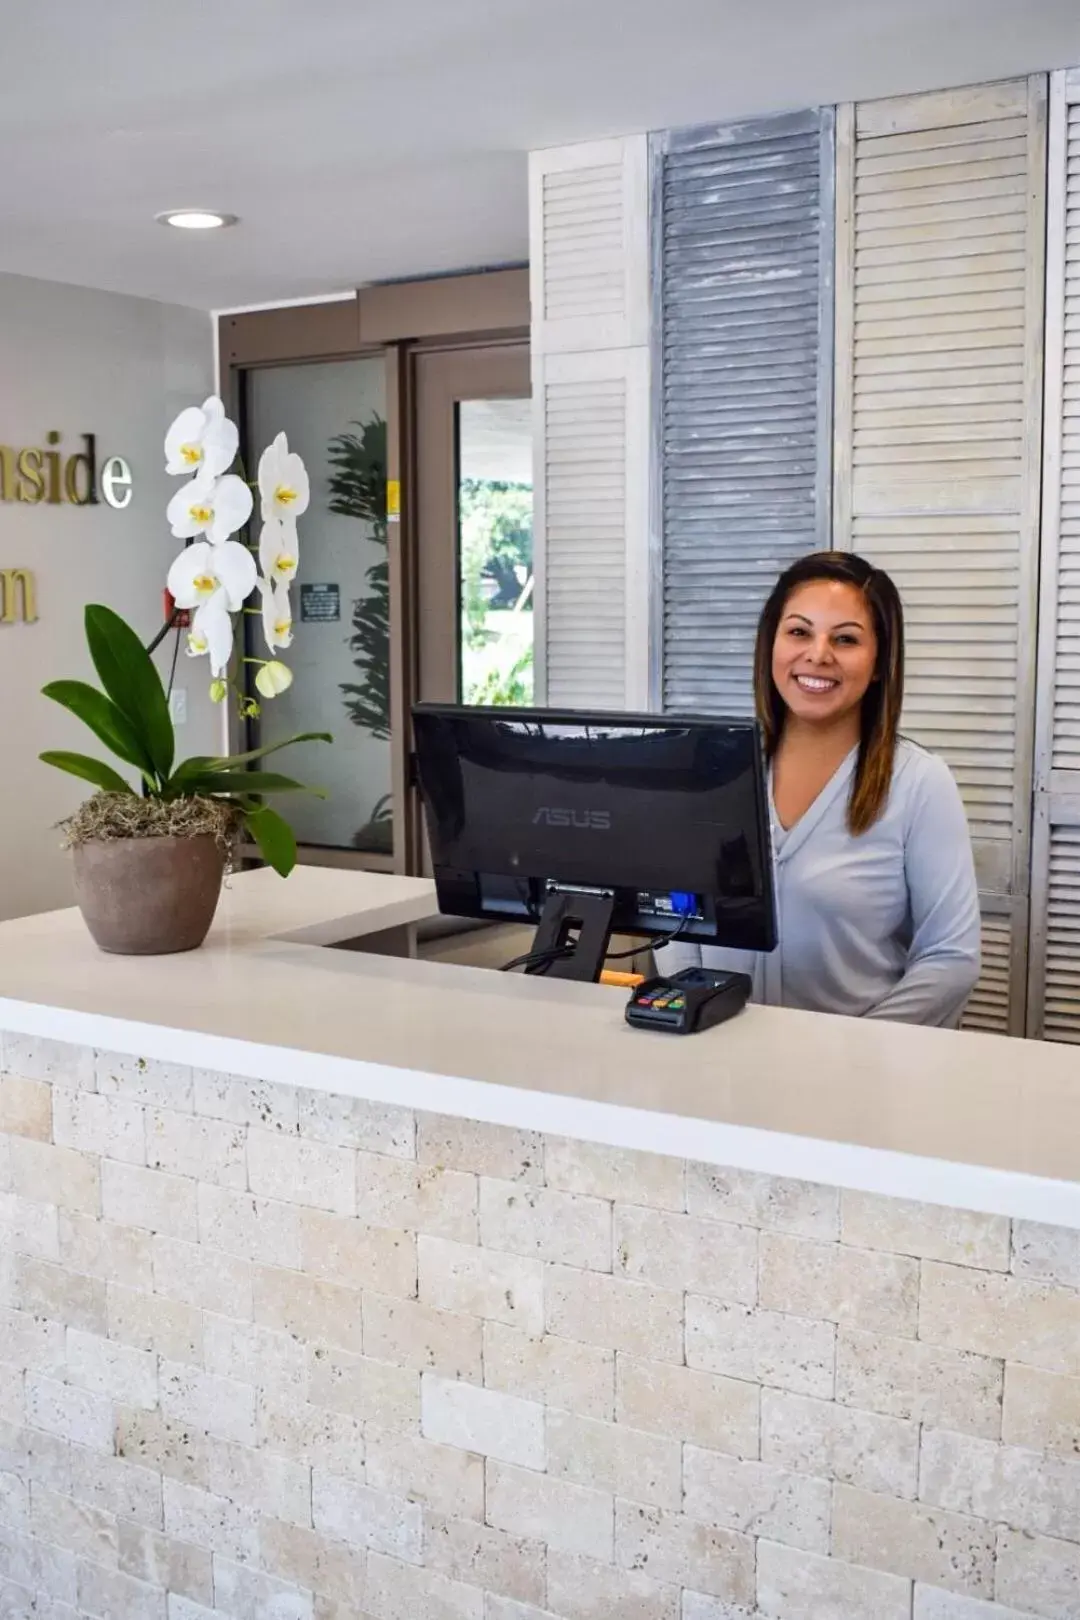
{"type": "Point", "coordinates": [230, 761]}
{"type": "Point", "coordinates": [250, 782]}
{"type": "Point", "coordinates": [201, 765]}
{"type": "Point", "coordinates": [108, 723]}
{"type": "Point", "coordinates": [127, 673]}
{"type": "Point", "coordinates": [90, 770]}
{"type": "Point", "coordinates": [274, 837]}
{"type": "Point", "coordinates": [196, 768]}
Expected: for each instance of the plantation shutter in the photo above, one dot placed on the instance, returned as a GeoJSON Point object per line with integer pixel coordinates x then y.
{"type": "Point", "coordinates": [590, 362]}
{"type": "Point", "coordinates": [743, 242]}
{"type": "Point", "coordinates": [940, 220]}
{"type": "Point", "coordinates": [1054, 1005]}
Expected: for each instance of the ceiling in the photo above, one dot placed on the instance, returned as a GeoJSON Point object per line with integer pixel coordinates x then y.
{"type": "Point", "coordinates": [362, 140]}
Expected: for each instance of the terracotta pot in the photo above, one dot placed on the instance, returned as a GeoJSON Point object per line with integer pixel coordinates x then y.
{"type": "Point", "coordinates": [148, 896]}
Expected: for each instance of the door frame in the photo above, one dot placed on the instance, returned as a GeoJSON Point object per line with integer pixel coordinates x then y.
{"type": "Point", "coordinates": [444, 378]}
{"type": "Point", "coordinates": [476, 369]}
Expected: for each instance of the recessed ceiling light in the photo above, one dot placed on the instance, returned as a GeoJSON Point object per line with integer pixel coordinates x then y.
{"type": "Point", "coordinates": [195, 219]}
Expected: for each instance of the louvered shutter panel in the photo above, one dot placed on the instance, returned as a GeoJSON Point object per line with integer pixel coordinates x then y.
{"type": "Point", "coordinates": [1059, 989]}
{"type": "Point", "coordinates": [743, 239]}
{"type": "Point", "coordinates": [1054, 1000]}
{"type": "Point", "coordinates": [590, 364]}
{"type": "Point", "coordinates": [983, 1011]}
{"type": "Point", "coordinates": [940, 212]}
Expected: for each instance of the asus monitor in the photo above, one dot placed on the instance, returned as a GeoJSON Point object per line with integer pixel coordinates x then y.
{"type": "Point", "coordinates": [587, 823]}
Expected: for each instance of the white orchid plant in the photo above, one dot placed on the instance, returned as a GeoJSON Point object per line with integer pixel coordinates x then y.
{"type": "Point", "coordinates": [212, 579]}
{"type": "Point", "coordinates": [215, 575]}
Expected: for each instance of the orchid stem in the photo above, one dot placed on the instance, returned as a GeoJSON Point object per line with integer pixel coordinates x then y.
{"type": "Point", "coordinates": [169, 624]}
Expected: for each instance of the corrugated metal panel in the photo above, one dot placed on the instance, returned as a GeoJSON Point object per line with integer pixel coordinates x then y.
{"type": "Point", "coordinates": [940, 298]}
{"type": "Point", "coordinates": [744, 261]}
{"type": "Point", "coordinates": [1054, 998]}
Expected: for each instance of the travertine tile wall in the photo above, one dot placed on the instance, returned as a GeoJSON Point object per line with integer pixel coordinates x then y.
{"type": "Point", "coordinates": [276, 1355]}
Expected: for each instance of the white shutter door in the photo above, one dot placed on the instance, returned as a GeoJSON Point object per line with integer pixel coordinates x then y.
{"type": "Point", "coordinates": [1058, 997]}
{"type": "Point", "coordinates": [743, 241]}
{"type": "Point", "coordinates": [991, 993]}
{"type": "Point", "coordinates": [1054, 1001]}
{"type": "Point", "coordinates": [940, 203]}
{"type": "Point", "coordinates": [589, 289]}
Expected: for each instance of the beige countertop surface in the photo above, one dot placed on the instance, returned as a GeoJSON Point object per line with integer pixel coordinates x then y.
{"type": "Point", "coordinates": [956, 1118]}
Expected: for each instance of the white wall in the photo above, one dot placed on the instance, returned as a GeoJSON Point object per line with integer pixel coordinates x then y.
{"type": "Point", "coordinates": [78, 361]}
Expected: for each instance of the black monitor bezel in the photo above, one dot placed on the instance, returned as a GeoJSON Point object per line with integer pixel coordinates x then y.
{"type": "Point", "coordinates": [455, 900]}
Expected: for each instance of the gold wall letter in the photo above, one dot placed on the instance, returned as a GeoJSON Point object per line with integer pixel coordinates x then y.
{"type": "Point", "coordinates": [31, 479]}
{"type": "Point", "coordinates": [88, 461]}
{"type": "Point", "coordinates": [8, 460]}
{"type": "Point", "coordinates": [54, 496]}
{"type": "Point", "coordinates": [11, 581]}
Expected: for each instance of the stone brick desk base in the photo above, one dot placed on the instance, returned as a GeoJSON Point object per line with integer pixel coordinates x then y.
{"type": "Point", "coordinates": [270, 1354]}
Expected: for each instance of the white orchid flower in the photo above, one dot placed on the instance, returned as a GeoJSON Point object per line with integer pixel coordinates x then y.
{"type": "Point", "coordinates": [212, 632]}
{"type": "Point", "coordinates": [216, 507]}
{"type": "Point", "coordinates": [273, 678]}
{"type": "Point", "coordinates": [201, 440]}
{"type": "Point", "coordinates": [279, 550]}
{"type": "Point", "coordinates": [202, 571]}
{"type": "Point", "coordinates": [276, 613]}
{"type": "Point", "coordinates": [283, 481]}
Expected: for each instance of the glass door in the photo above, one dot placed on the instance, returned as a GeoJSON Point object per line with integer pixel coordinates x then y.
{"type": "Point", "coordinates": [334, 414]}
{"type": "Point", "coordinates": [495, 551]}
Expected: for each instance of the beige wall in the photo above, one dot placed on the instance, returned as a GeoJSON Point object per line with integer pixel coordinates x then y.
{"type": "Point", "coordinates": [78, 361]}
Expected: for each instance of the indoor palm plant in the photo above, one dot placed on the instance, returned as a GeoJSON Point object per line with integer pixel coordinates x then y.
{"type": "Point", "coordinates": [151, 846]}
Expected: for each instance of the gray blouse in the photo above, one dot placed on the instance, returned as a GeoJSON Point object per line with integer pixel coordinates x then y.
{"type": "Point", "coordinates": [884, 925]}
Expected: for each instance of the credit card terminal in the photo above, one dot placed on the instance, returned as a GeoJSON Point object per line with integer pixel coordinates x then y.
{"type": "Point", "coordinates": [688, 1002]}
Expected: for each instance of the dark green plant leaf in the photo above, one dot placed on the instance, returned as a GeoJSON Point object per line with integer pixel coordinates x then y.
{"type": "Point", "coordinates": [128, 675]}
{"type": "Point", "coordinates": [108, 723]}
{"type": "Point", "coordinates": [90, 770]}
{"type": "Point", "coordinates": [194, 765]}
{"type": "Point", "coordinates": [202, 766]}
{"type": "Point", "coordinates": [275, 838]}
{"type": "Point", "coordinates": [249, 782]}
{"type": "Point", "coordinates": [228, 761]}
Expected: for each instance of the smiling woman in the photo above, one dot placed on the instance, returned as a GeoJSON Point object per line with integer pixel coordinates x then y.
{"type": "Point", "coordinates": [875, 881]}
{"type": "Point", "coordinates": [829, 674]}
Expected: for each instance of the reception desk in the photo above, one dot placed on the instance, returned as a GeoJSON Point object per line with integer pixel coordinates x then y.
{"type": "Point", "coordinates": [338, 1285]}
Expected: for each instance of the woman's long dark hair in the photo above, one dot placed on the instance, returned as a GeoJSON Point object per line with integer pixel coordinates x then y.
{"type": "Point", "coordinates": [880, 713]}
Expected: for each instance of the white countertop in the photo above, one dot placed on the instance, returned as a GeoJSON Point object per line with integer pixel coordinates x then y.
{"type": "Point", "coordinates": [961, 1119]}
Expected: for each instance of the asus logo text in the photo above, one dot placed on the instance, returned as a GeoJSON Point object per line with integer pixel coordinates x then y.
{"type": "Point", "coordinates": [594, 820]}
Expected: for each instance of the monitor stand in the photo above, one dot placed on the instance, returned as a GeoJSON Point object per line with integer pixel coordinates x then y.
{"type": "Point", "coordinates": [583, 920]}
